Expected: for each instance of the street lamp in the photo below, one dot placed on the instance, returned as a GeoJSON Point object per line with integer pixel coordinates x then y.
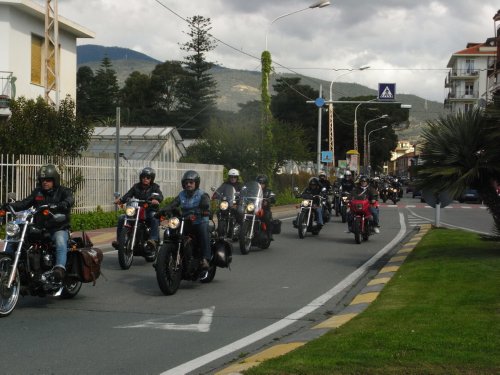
{"type": "Point", "coordinates": [331, 133]}
{"type": "Point", "coordinates": [356, 122]}
{"type": "Point", "coordinates": [318, 4]}
{"type": "Point", "coordinates": [383, 127]}
{"type": "Point", "coordinates": [365, 158]}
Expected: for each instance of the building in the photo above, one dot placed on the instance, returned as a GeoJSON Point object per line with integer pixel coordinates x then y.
{"type": "Point", "coordinates": [22, 61]}
{"type": "Point", "coordinates": [473, 75]}
{"type": "Point", "coordinates": [159, 144]}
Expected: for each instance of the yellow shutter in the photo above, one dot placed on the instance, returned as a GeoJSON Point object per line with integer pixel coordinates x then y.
{"type": "Point", "coordinates": [36, 59]}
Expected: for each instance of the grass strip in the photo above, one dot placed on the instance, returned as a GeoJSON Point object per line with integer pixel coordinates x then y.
{"type": "Point", "coordinates": [439, 314]}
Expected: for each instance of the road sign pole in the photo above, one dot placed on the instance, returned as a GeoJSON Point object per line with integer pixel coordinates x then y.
{"type": "Point", "coordinates": [438, 215]}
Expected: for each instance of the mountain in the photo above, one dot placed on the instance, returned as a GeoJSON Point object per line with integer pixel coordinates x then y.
{"type": "Point", "coordinates": [240, 86]}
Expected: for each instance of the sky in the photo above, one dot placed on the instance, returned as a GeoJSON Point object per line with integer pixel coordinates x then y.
{"type": "Point", "coordinates": [406, 42]}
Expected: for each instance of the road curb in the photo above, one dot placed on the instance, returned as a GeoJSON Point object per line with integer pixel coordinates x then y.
{"type": "Point", "coordinates": [357, 305]}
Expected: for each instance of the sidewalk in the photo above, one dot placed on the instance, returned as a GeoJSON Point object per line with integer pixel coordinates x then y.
{"type": "Point", "coordinates": [103, 237]}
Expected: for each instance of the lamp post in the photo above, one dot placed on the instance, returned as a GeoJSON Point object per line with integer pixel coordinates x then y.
{"type": "Point", "coordinates": [356, 122]}
{"type": "Point", "coordinates": [331, 132]}
{"type": "Point", "coordinates": [370, 133]}
{"type": "Point", "coordinates": [317, 4]}
{"type": "Point", "coordinates": [365, 157]}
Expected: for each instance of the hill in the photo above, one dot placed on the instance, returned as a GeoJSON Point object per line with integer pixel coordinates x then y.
{"type": "Point", "coordinates": [240, 86]}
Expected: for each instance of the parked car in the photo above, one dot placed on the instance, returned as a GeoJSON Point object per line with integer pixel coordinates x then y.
{"type": "Point", "coordinates": [469, 195]}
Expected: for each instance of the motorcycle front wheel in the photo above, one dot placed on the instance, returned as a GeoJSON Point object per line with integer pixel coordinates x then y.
{"type": "Point", "coordinates": [245, 237]}
{"type": "Point", "coordinates": [71, 288]}
{"type": "Point", "coordinates": [168, 274]}
{"type": "Point", "coordinates": [356, 228]}
{"type": "Point", "coordinates": [302, 224]}
{"type": "Point", "coordinates": [343, 212]}
{"type": "Point", "coordinates": [8, 296]}
{"type": "Point", "coordinates": [209, 274]}
{"type": "Point", "coordinates": [126, 252]}
{"type": "Point", "coordinates": [222, 228]}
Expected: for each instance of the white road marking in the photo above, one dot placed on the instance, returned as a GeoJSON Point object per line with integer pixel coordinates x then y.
{"type": "Point", "coordinates": [292, 318]}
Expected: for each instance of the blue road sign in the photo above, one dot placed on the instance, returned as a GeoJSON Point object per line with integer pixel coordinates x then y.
{"type": "Point", "coordinates": [326, 156]}
{"type": "Point", "coordinates": [320, 102]}
{"type": "Point", "coordinates": [386, 91]}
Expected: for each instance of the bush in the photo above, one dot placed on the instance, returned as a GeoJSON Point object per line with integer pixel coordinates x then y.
{"type": "Point", "coordinates": [94, 220]}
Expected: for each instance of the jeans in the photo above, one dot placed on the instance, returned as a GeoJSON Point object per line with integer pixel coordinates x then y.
{"type": "Point", "coordinates": [375, 213]}
{"type": "Point", "coordinates": [319, 215]}
{"type": "Point", "coordinates": [152, 222]}
{"type": "Point", "coordinates": [202, 234]}
{"type": "Point", "coordinates": [60, 239]}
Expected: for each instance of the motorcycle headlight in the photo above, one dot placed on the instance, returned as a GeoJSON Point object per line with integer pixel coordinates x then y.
{"type": "Point", "coordinates": [12, 230]}
{"type": "Point", "coordinates": [224, 205]}
{"type": "Point", "coordinates": [130, 211]}
{"type": "Point", "coordinates": [174, 223]}
{"type": "Point", "coordinates": [305, 203]}
{"type": "Point", "coordinates": [250, 207]}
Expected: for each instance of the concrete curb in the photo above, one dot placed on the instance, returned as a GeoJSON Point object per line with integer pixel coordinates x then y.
{"type": "Point", "coordinates": [358, 304]}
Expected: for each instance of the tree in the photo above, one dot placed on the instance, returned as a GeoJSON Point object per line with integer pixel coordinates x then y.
{"type": "Point", "coordinates": [84, 86]}
{"type": "Point", "coordinates": [165, 80]}
{"type": "Point", "coordinates": [461, 151]}
{"type": "Point", "coordinates": [136, 100]}
{"type": "Point", "coordinates": [105, 91]}
{"type": "Point", "coordinates": [197, 88]}
{"type": "Point", "coordinates": [37, 128]}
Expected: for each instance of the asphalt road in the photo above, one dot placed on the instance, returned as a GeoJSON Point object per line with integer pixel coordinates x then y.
{"type": "Point", "coordinates": [125, 325]}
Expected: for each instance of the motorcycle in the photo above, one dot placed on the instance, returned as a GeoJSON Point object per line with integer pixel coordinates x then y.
{"type": "Point", "coordinates": [345, 198]}
{"type": "Point", "coordinates": [253, 229]}
{"type": "Point", "coordinates": [393, 194]}
{"type": "Point", "coordinates": [179, 257]}
{"type": "Point", "coordinates": [336, 200]}
{"type": "Point", "coordinates": [227, 223]}
{"type": "Point", "coordinates": [135, 233]}
{"type": "Point", "coordinates": [305, 221]}
{"type": "Point", "coordinates": [384, 192]}
{"type": "Point", "coordinates": [361, 219]}
{"type": "Point", "coordinates": [325, 206]}
{"type": "Point", "coordinates": [29, 268]}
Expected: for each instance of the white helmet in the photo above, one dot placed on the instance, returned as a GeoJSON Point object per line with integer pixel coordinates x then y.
{"type": "Point", "coordinates": [347, 173]}
{"type": "Point", "coordinates": [233, 172]}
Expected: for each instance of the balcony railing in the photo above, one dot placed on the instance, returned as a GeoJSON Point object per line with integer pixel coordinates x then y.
{"type": "Point", "coordinates": [455, 73]}
{"type": "Point", "coordinates": [463, 94]}
{"type": "Point", "coordinates": [6, 83]}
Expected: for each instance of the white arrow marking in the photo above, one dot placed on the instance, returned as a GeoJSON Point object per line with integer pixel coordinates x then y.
{"type": "Point", "coordinates": [203, 324]}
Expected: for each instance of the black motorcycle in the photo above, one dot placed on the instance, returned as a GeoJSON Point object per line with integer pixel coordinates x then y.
{"type": "Point", "coordinates": [29, 269]}
{"type": "Point", "coordinates": [226, 212]}
{"type": "Point", "coordinates": [345, 198]}
{"type": "Point", "coordinates": [306, 220]}
{"type": "Point", "coordinates": [253, 228]}
{"type": "Point", "coordinates": [135, 234]}
{"type": "Point", "coordinates": [179, 257]}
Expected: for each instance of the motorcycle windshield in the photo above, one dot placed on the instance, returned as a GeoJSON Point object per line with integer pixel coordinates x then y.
{"type": "Point", "coordinates": [251, 193]}
{"type": "Point", "coordinates": [225, 192]}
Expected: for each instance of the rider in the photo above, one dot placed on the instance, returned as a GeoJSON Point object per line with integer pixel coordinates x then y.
{"type": "Point", "coordinates": [269, 199]}
{"type": "Point", "coordinates": [363, 190]}
{"type": "Point", "coordinates": [347, 183]}
{"type": "Point", "coordinates": [49, 191]}
{"type": "Point", "coordinates": [233, 178]}
{"type": "Point", "coordinates": [194, 200]}
{"type": "Point", "coordinates": [143, 190]}
{"type": "Point", "coordinates": [324, 183]}
{"type": "Point", "coordinates": [312, 191]}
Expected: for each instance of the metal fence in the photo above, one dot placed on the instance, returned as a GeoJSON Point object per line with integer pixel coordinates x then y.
{"type": "Point", "coordinates": [93, 179]}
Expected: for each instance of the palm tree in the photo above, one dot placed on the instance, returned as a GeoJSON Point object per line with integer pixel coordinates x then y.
{"type": "Point", "coordinates": [461, 151]}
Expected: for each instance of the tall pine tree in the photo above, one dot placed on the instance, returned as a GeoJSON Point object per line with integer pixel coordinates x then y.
{"type": "Point", "coordinates": [197, 89]}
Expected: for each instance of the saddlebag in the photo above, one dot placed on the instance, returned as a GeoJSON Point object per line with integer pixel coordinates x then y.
{"type": "Point", "coordinates": [85, 259]}
{"type": "Point", "coordinates": [276, 226]}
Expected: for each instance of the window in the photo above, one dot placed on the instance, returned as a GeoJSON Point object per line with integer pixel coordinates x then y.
{"type": "Point", "coordinates": [469, 66]}
{"type": "Point", "coordinates": [37, 61]}
{"type": "Point", "coordinates": [469, 88]}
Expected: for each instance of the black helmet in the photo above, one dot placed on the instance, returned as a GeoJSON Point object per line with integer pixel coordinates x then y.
{"type": "Point", "coordinates": [223, 252]}
{"type": "Point", "coordinates": [261, 179]}
{"type": "Point", "coordinates": [313, 180]}
{"type": "Point", "coordinates": [191, 175]}
{"type": "Point", "coordinates": [148, 172]}
{"type": "Point", "coordinates": [49, 171]}
{"type": "Point", "coordinates": [363, 179]}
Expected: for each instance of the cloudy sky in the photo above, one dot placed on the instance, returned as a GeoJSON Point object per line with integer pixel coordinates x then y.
{"type": "Point", "coordinates": [408, 42]}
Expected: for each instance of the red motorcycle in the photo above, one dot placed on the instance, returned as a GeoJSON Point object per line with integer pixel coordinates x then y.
{"type": "Point", "coordinates": [361, 219]}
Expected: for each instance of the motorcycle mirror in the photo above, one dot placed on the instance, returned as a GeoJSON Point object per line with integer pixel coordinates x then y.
{"type": "Point", "coordinates": [295, 188]}
{"type": "Point", "coordinates": [116, 194]}
{"type": "Point", "coordinates": [11, 197]}
{"type": "Point", "coordinates": [212, 188]}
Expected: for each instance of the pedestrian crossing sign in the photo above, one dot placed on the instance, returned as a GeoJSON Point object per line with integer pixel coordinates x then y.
{"type": "Point", "coordinates": [386, 91]}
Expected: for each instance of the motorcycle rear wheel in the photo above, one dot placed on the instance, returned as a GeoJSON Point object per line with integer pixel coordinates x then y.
{"type": "Point", "coordinates": [168, 274]}
{"type": "Point", "coordinates": [356, 228]}
{"type": "Point", "coordinates": [126, 252]}
{"type": "Point", "coordinates": [302, 225]}
{"type": "Point", "coordinates": [8, 296]}
{"type": "Point", "coordinates": [71, 288]}
{"type": "Point", "coordinates": [245, 238]}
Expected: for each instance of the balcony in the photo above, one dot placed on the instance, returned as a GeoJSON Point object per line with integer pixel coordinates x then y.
{"type": "Point", "coordinates": [464, 74]}
{"type": "Point", "coordinates": [461, 95]}
{"type": "Point", "coordinates": [7, 90]}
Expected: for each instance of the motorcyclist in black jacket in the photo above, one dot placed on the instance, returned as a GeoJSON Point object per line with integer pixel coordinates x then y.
{"type": "Point", "coordinates": [347, 182]}
{"type": "Point", "coordinates": [143, 190]}
{"type": "Point", "coordinates": [325, 183]}
{"type": "Point", "coordinates": [49, 191]}
{"type": "Point", "coordinates": [269, 199]}
{"type": "Point", "coordinates": [312, 191]}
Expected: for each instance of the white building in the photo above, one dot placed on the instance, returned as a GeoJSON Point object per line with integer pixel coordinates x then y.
{"type": "Point", "coordinates": [22, 57]}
